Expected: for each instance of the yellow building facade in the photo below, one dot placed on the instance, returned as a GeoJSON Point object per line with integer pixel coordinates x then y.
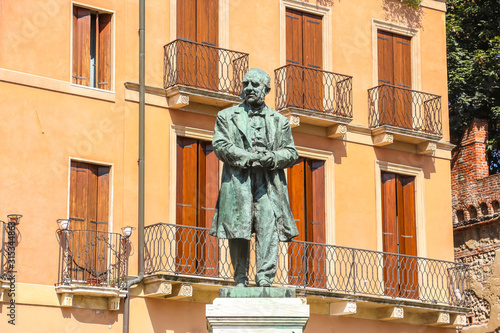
{"type": "Point", "coordinates": [364, 86]}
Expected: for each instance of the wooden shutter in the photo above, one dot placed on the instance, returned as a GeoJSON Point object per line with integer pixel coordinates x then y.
{"type": "Point", "coordinates": [187, 151]}
{"type": "Point", "coordinates": [402, 79]}
{"type": "Point", "coordinates": [390, 233]}
{"type": "Point", "coordinates": [304, 48]}
{"type": "Point", "coordinates": [315, 184]}
{"type": "Point", "coordinates": [186, 19]}
{"type": "Point", "coordinates": [81, 46]}
{"type": "Point", "coordinates": [294, 54]}
{"type": "Point", "coordinates": [104, 55]}
{"type": "Point", "coordinates": [312, 59]}
{"type": "Point", "coordinates": [399, 235]}
{"type": "Point", "coordinates": [306, 191]}
{"type": "Point", "coordinates": [186, 51]}
{"type": "Point", "coordinates": [385, 58]}
{"type": "Point", "coordinates": [407, 236]}
{"type": "Point", "coordinates": [297, 197]}
{"type": "Point", "coordinates": [208, 180]}
{"type": "Point", "coordinates": [394, 68]}
{"type": "Point", "coordinates": [207, 57]}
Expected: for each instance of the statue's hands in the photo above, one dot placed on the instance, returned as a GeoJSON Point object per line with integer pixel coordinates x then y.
{"type": "Point", "coordinates": [267, 160]}
{"type": "Point", "coordinates": [254, 157]}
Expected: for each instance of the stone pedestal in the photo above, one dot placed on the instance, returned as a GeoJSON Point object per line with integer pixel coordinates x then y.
{"type": "Point", "coordinates": [260, 309]}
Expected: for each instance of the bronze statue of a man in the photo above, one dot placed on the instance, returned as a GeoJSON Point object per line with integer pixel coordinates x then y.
{"type": "Point", "coordinates": [256, 144]}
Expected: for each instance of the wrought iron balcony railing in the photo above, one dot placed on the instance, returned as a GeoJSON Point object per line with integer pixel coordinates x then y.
{"type": "Point", "coordinates": [4, 256]}
{"type": "Point", "coordinates": [313, 89]}
{"type": "Point", "coordinates": [401, 107]}
{"type": "Point", "coordinates": [93, 258]}
{"type": "Point", "coordinates": [190, 251]}
{"type": "Point", "coordinates": [204, 66]}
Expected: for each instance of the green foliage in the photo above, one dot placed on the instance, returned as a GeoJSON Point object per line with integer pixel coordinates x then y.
{"type": "Point", "coordinates": [473, 42]}
{"type": "Point", "coordinates": [413, 3]}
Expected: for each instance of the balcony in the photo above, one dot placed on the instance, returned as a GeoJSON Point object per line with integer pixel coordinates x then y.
{"type": "Point", "coordinates": [313, 96]}
{"type": "Point", "coordinates": [400, 114]}
{"type": "Point", "coordinates": [93, 267]}
{"type": "Point", "coordinates": [343, 281]}
{"type": "Point", "coordinates": [202, 73]}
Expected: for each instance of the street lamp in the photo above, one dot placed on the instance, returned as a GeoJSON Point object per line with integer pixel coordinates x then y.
{"type": "Point", "coordinates": [64, 223]}
{"type": "Point", "coordinates": [127, 231]}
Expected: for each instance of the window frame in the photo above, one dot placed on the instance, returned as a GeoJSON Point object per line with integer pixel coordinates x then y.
{"type": "Point", "coordinates": [326, 17]}
{"type": "Point", "coordinates": [412, 33]}
{"type": "Point", "coordinates": [418, 173]}
{"type": "Point", "coordinates": [223, 24]}
{"type": "Point", "coordinates": [111, 187]}
{"type": "Point", "coordinates": [112, 45]}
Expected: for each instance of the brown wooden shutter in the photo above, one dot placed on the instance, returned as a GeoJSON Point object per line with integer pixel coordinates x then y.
{"type": "Point", "coordinates": [186, 51]}
{"type": "Point", "coordinates": [81, 46]}
{"type": "Point", "coordinates": [390, 233]}
{"type": "Point", "coordinates": [102, 198]}
{"type": "Point", "coordinates": [312, 59]}
{"type": "Point", "coordinates": [187, 151]}
{"type": "Point", "coordinates": [399, 235]}
{"type": "Point", "coordinates": [294, 54]}
{"type": "Point", "coordinates": [296, 251]}
{"type": "Point", "coordinates": [316, 222]}
{"type": "Point", "coordinates": [104, 56]}
{"type": "Point", "coordinates": [207, 56]}
{"type": "Point", "coordinates": [402, 79]}
{"type": "Point", "coordinates": [407, 236]}
{"type": "Point", "coordinates": [294, 47]}
{"type": "Point", "coordinates": [385, 58]}
{"type": "Point", "coordinates": [208, 180]}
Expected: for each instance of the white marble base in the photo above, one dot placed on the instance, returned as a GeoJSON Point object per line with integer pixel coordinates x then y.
{"type": "Point", "coordinates": [254, 315]}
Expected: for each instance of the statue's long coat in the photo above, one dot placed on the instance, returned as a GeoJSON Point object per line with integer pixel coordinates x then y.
{"type": "Point", "coordinates": [231, 142]}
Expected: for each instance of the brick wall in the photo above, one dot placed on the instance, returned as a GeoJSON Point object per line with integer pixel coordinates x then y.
{"type": "Point", "coordinates": [471, 183]}
{"type": "Point", "coordinates": [476, 221]}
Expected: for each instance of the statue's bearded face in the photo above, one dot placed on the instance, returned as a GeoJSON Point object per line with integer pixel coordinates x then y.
{"type": "Point", "coordinates": [254, 90]}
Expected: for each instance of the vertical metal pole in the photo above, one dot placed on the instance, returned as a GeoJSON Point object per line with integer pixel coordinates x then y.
{"type": "Point", "coordinates": [140, 226]}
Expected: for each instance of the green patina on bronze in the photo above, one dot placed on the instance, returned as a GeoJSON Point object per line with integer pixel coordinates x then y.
{"type": "Point", "coordinates": [257, 292]}
{"type": "Point", "coordinates": [256, 145]}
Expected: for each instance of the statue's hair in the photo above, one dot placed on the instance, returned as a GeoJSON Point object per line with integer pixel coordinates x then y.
{"type": "Point", "coordinates": [262, 75]}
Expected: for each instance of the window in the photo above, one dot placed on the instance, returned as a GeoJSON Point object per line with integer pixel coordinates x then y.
{"type": "Point", "coordinates": [484, 209]}
{"type": "Point", "coordinates": [89, 214]}
{"type": "Point", "coordinates": [394, 69]}
{"type": "Point", "coordinates": [496, 206]}
{"type": "Point", "coordinates": [196, 197]}
{"type": "Point", "coordinates": [399, 235]}
{"type": "Point", "coordinates": [460, 215]}
{"type": "Point", "coordinates": [472, 212]}
{"type": "Point", "coordinates": [91, 48]}
{"type": "Point", "coordinates": [306, 191]}
{"type": "Point", "coordinates": [197, 55]}
{"type": "Point", "coordinates": [304, 49]}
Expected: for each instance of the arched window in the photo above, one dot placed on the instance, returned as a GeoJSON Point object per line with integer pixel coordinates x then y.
{"type": "Point", "coordinates": [460, 215]}
{"type": "Point", "coordinates": [472, 212]}
{"type": "Point", "coordinates": [496, 206]}
{"type": "Point", "coordinates": [484, 209]}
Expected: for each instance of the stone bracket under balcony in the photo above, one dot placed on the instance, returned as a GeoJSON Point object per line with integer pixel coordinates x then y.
{"type": "Point", "coordinates": [93, 297]}
{"type": "Point", "coordinates": [426, 144]}
{"type": "Point", "coordinates": [182, 97]}
{"type": "Point", "coordinates": [399, 311]}
{"type": "Point", "coordinates": [336, 126]}
{"type": "Point", "coordinates": [158, 287]}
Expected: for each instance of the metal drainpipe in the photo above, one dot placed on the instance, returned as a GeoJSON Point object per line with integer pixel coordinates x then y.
{"type": "Point", "coordinates": [140, 227]}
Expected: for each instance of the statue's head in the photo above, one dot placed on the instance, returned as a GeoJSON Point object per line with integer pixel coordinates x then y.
{"type": "Point", "coordinates": [256, 85]}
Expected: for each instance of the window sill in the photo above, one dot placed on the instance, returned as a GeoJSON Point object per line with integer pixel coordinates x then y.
{"type": "Point", "coordinates": [41, 82]}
